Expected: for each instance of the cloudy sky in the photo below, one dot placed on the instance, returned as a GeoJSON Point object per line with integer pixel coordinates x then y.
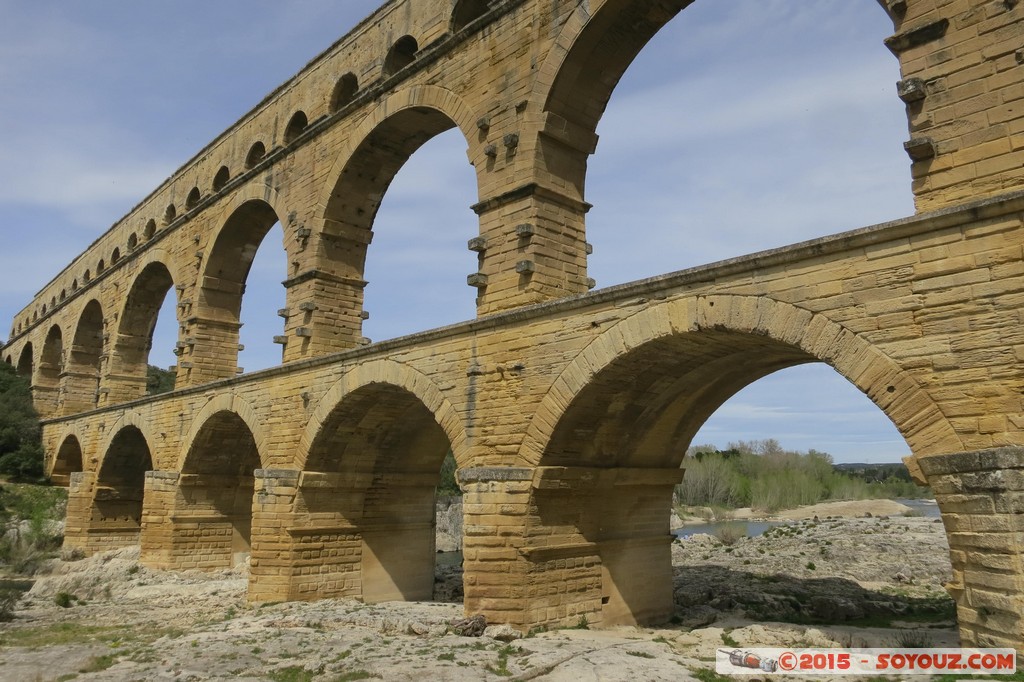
{"type": "Point", "coordinates": [745, 125]}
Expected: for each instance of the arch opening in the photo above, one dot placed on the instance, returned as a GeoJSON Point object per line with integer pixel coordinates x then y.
{"type": "Point", "coordinates": [67, 462]}
{"type": "Point", "coordinates": [51, 366]}
{"type": "Point", "coordinates": [466, 12]}
{"type": "Point", "coordinates": [220, 180]}
{"type": "Point", "coordinates": [120, 489]}
{"type": "Point", "coordinates": [216, 492]}
{"type": "Point", "coordinates": [296, 125]}
{"type": "Point", "coordinates": [419, 150]}
{"type": "Point", "coordinates": [144, 307]}
{"type": "Point", "coordinates": [193, 198]}
{"type": "Point", "coordinates": [150, 229]}
{"type": "Point", "coordinates": [389, 443]}
{"type": "Point", "coordinates": [80, 380]}
{"type": "Point", "coordinates": [344, 91]}
{"type": "Point", "coordinates": [401, 55]}
{"type": "Point", "coordinates": [26, 362]}
{"type": "Point", "coordinates": [779, 129]}
{"type": "Point", "coordinates": [223, 285]}
{"type": "Point", "coordinates": [612, 461]}
{"type": "Point", "coordinates": [256, 154]}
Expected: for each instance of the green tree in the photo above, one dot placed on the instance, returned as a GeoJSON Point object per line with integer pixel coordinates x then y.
{"type": "Point", "coordinates": [158, 380]}
{"type": "Point", "coordinates": [21, 449]}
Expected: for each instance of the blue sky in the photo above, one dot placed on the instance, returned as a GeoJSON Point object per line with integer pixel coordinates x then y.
{"type": "Point", "coordinates": [745, 125]}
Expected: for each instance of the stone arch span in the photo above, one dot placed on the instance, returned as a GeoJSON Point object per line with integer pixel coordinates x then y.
{"type": "Point", "coordinates": [783, 336]}
{"type": "Point", "coordinates": [157, 275]}
{"type": "Point", "coordinates": [67, 460]}
{"type": "Point", "coordinates": [386, 372]}
{"type": "Point", "coordinates": [364, 503]}
{"type": "Point", "coordinates": [225, 403]}
{"type": "Point", "coordinates": [379, 147]}
{"type": "Point", "coordinates": [105, 508]}
{"type": "Point", "coordinates": [608, 441]}
{"type": "Point", "coordinates": [46, 392]}
{"type": "Point", "coordinates": [202, 510]}
{"type": "Point", "coordinates": [80, 381]}
{"type": "Point", "coordinates": [213, 337]}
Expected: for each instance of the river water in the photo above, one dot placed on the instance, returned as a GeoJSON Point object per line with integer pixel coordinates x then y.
{"type": "Point", "coordinates": [926, 508]}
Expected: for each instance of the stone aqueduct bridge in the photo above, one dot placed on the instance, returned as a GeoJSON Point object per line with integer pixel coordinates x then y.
{"type": "Point", "coordinates": [568, 412]}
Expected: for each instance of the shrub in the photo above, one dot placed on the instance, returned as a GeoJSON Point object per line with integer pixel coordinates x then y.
{"type": "Point", "coordinates": [730, 533]}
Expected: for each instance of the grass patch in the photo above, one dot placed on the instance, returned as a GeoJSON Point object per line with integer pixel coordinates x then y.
{"type": "Point", "coordinates": [708, 675]}
{"type": "Point", "coordinates": [293, 673]}
{"type": "Point", "coordinates": [728, 640]}
{"type": "Point", "coordinates": [352, 675]}
{"type": "Point", "coordinates": [98, 663]}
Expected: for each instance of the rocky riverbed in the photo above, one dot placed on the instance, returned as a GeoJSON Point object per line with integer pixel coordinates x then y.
{"type": "Point", "coordinates": [831, 582]}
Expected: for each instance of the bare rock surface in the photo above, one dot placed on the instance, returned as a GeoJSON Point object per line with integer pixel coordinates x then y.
{"type": "Point", "coordinates": [126, 622]}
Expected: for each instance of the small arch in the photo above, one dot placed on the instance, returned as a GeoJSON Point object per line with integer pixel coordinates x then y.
{"type": "Point", "coordinates": [101, 266]}
{"type": "Point", "coordinates": [63, 294]}
{"type": "Point", "coordinates": [44, 309]}
{"type": "Point", "coordinates": [150, 229]}
{"type": "Point", "coordinates": [221, 178]}
{"type": "Point", "coordinates": [192, 200]}
{"type": "Point", "coordinates": [35, 316]}
{"type": "Point", "coordinates": [115, 256]}
{"type": "Point", "coordinates": [466, 12]}
{"type": "Point", "coordinates": [74, 285]}
{"type": "Point", "coordinates": [401, 55]}
{"type": "Point", "coordinates": [296, 125]}
{"type": "Point", "coordinates": [53, 301]}
{"type": "Point", "coordinates": [67, 462]}
{"type": "Point", "coordinates": [344, 91]}
{"type": "Point", "coordinates": [170, 213]}
{"type": "Point", "coordinates": [133, 241]}
{"type": "Point", "coordinates": [87, 277]}
{"type": "Point", "coordinates": [10, 360]}
{"type": "Point", "coordinates": [256, 154]}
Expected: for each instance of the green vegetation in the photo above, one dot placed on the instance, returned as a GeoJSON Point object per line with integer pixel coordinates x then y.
{"type": "Point", "coordinates": [760, 474]}
{"type": "Point", "coordinates": [158, 380]}
{"type": "Point", "coordinates": [448, 487]}
{"type": "Point", "coordinates": [707, 675]}
{"type": "Point", "coordinates": [32, 509]}
{"type": "Point", "coordinates": [98, 663]}
{"type": "Point", "coordinates": [21, 450]}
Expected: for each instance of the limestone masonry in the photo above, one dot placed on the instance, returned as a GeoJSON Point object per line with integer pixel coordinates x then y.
{"type": "Point", "coordinates": [568, 412]}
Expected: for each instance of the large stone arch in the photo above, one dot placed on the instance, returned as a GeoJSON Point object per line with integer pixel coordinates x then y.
{"type": "Point", "coordinates": [105, 507]}
{"type": "Point", "coordinates": [26, 362]}
{"type": "Point", "coordinates": [391, 373]}
{"type": "Point", "coordinates": [363, 504]}
{"type": "Point", "coordinates": [224, 403]}
{"type": "Point", "coordinates": [348, 203]}
{"type": "Point", "coordinates": [80, 381]}
{"type": "Point", "coordinates": [610, 436]}
{"type": "Point", "coordinates": [135, 420]}
{"type": "Point", "coordinates": [51, 366]}
{"type": "Point", "coordinates": [157, 275]}
{"type": "Point", "coordinates": [212, 341]}
{"type": "Point", "coordinates": [202, 514]}
{"type": "Point", "coordinates": [813, 337]}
